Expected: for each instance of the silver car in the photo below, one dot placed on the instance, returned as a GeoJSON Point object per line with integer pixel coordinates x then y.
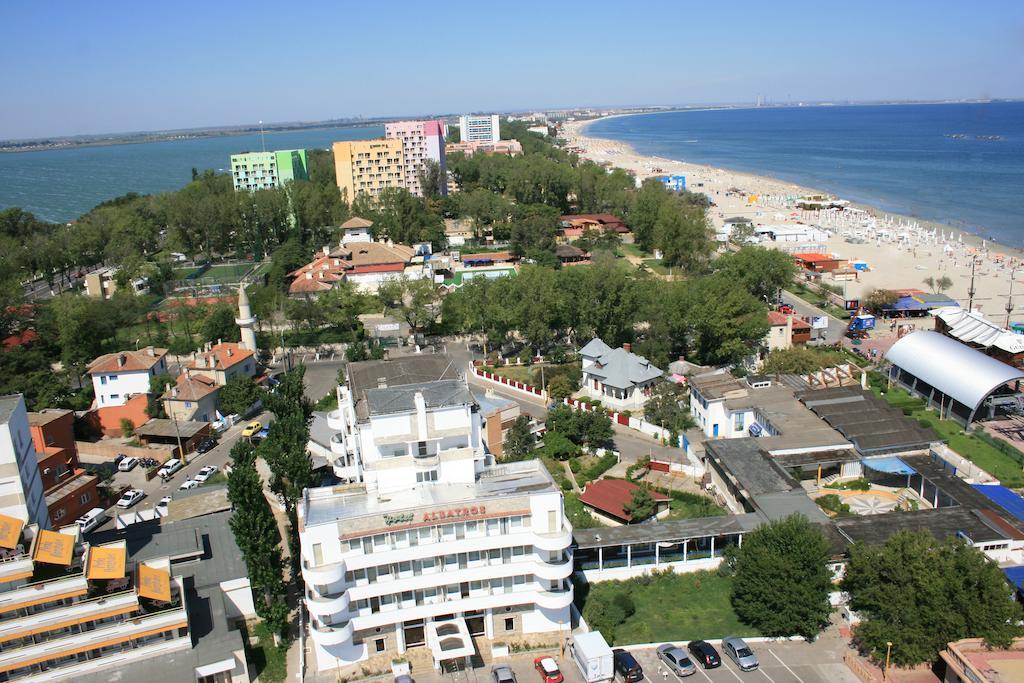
{"type": "Point", "coordinates": [503, 674]}
{"type": "Point", "coordinates": [738, 652]}
{"type": "Point", "coordinates": [676, 660]}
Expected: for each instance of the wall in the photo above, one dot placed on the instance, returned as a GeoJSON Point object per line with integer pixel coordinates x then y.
{"type": "Point", "coordinates": [238, 601]}
{"type": "Point", "coordinates": [101, 452]}
{"type": "Point", "coordinates": [108, 420]}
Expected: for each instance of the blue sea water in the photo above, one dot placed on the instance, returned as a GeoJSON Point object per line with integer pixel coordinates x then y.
{"type": "Point", "coordinates": [897, 158]}
{"type": "Point", "coordinates": [62, 184]}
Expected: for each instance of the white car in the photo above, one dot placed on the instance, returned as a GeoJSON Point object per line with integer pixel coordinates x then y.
{"type": "Point", "coordinates": [130, 497]}
{"type": "Point", "coordinates": [188, 484]}
{"type": "Point", "coordinates": [205, 473]}
{"type": "Point", "coordinates": [127, 464]}
{"type": "Point", "coordinates": [164, 502]}
{"type": "Point", "coordinates": [169, 468]}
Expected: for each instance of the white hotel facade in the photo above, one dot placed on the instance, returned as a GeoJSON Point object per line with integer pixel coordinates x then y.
{"type": "Point", "coordinates": [431, 545]}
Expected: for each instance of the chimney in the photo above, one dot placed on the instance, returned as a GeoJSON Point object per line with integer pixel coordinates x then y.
{"type": "Point", "coordinates": [382, 382]}
{"type": "Point", "coordinates": [151, 352]}
{"type": "Point", "coordinates": [219, 342]}
{"type": "Point", "coordinates": [121, 360]}
{"type": "Point", "coordinates": [229, 353]}
{"type": "Point", "coordinates": [327, 250]}
{"type": "Point", "coordinates": [627, 347]}
{"type": "Point", "coordinates": [309, 275]}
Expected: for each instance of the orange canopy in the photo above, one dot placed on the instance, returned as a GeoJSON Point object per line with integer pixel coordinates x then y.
{"type": "Point", "coordinates": [154, 583]}
{"type": "Point", "coordinates": [53, 547]}
{"type": "Point", "coordinates": [10, 531]}
{"type": "Point", "coordinates": [105, 562]}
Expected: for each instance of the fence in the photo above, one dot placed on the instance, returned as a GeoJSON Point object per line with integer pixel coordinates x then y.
{"type": "Point", "coordinates": [511, 383]}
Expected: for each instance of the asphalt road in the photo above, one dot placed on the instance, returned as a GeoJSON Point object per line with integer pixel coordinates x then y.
{"type": "Point", "coordinates": [155, 488]}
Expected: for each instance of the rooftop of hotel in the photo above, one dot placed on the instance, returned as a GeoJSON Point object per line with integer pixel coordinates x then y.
{"type": "Point", "coordinates": [7, 406]}
{"type": "Point", "coordinates": [402, 399]}
{"type": "Point", "coordinates": [328, 505]}
{"type": "Point", "coordinates": [398, 371]}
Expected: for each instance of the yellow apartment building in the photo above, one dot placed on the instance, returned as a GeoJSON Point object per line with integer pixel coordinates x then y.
{"type": "Point", "coordinates": [368, 166]}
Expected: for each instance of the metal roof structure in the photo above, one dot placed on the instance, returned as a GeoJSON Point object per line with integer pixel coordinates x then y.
{"type": "Point", "coordinates": [972, 327]}
{"type": "Point", "coordinates": [958, 371]}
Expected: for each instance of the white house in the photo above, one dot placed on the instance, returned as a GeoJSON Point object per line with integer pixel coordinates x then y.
{"type": "Point", "coordinates": [430, 544]}
{"type": "Point", "coordinates": [118, 376]}
{"type": "Point", "coordinates": [356, 229]}
{"type": "Point", "coordinates": [618, 378]}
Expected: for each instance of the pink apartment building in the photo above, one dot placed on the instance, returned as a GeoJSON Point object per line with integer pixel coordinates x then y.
{"type": "Point", "coordinates": [421, 140]}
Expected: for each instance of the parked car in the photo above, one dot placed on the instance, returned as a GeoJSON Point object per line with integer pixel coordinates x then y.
{"type": "Point", "coordinates": [705, 653]}
{"type": "Point", "coordinates": [252, 429]}
{"type": "Point", "coordinates": [188, 485]}
{"type": "Point", "coordinates": [787, 309]}
{"type": "Point", "coordinates": [127, 464]}
{"type": "Point", "coordinates": [738, 651]}
{"type": "Point", "coordinates": [206, 445]}
{"type": "Point", "coordinates": [676, 660]}
{"type": "Point", "coordinates": [130, 497]}
{"type": "Point", "coordinates": [205, 473]}
{"type": "Point", "coordinates": [503, 674]}
{"type": "Point", "coordinates": [169, 468]}
{"type": "Point", "coordinates": [91, 519]}
{"type": "Point", "coordinates": [164, 502]}
{"type": "Point", "coordinates": [627, 667]}
{"type": "Point", "coordinates": [119, 458]}
{"type": "Point", "coordinates": [548, 670]}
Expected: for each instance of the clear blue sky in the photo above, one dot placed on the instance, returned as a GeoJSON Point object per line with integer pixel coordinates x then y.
{"type": "Point", "coordinates": [93, 67]}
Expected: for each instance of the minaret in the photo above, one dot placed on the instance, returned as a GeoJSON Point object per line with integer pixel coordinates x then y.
{"type": "Point", "coordinates": [246, 320]}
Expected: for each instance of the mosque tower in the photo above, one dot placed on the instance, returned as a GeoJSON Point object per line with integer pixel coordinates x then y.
{"type": "Point", "coordinates": [246, 320]}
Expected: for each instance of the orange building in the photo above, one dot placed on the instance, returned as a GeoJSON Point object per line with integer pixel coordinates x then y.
{"type": "Point", "coordinates": [69, 490]}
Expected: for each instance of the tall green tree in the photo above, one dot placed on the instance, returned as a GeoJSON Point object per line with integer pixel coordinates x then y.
{"type": "Point", "coordinates": [920, 594]}
{"type": "Point", "coordinates": [519, 440]}
{"type": "Point", "coordinates": [781, 579]}
{"type": "Point", "coordinates": [763, 272]}
{"type": "Point", "coordinates": [238, 395]}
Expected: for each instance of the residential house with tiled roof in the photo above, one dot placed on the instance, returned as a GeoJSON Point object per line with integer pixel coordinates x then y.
{"type": "Point", "coordinates": [116, 377]}
{"type": "Point", "coordinates": [365, 264]}
{"type": "Point", "coordinates": [220, 362]}
{"type": "Point", "coordinates": [608, 498]}
{"type": "Point", "coordinates": [194, 397]}
{"type": "Point", "coordinates": [786, 330]}
{"type": "Point", "coordinates": [618, 378]}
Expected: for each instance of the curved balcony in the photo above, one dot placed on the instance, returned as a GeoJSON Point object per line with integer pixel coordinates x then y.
{"type": "Point", "coordinates": [335, 420]}
{"type": "Point", "coordinates": [554, 571]}
{"type": "Point", "coordinates": [327, 635]}
{"type": "Point", "coordinates": [556, 541]}
{"type": "Point", "coordinates": [557, 599]}
{"type": "Point", "coordinates": [324, 575]}
{"type": "Point", "coordinates": [338, 445]}
{"type": "Point", "coordinates": [324, 606]}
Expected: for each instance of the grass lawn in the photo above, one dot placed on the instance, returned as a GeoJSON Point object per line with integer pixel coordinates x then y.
{"type": "Point", "coordinates": [674, 607]}
{"type": "Point", "coordinates": [656, 265]}
{"type": "Point", "coordinates": [633, 250]}
{"type": "Point", "coordinates": [531, 374]}
{"type": "Point", "coordinates": [182, 273]}
{"type": "Point", "coordinates": [692, 506]}
{"type": "Point", "coordinates": [225, 273]}
{"type": "Point", "coordinates": [980, 452]}
{"type": "Point", "coordinates": [519, 373]}
{"type": "Point", "coordinates": [266, 660]}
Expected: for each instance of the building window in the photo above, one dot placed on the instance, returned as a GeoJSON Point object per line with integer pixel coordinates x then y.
{"type": "Point", "coordinates": [422, 445]}
{"type": "Point", "coordinates": [318, 554]}
{"type": "Point", "coordinates": [378, 645]}
{"type": "Point", "coordinates": [103, 379]}
{"type": "Point", "coordinates": [737, 422]}
{"type": "Point", "coordinates": [510, 623]}
{"type": "Point", "coordinates": [59, 514]}
{"type": "Point", "coordinates": [85, 497]}
{"type": "Point", "coordinates": [429, 475]}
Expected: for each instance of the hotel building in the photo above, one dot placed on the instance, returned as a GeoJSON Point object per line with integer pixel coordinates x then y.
{"type": "Point", "coordinates": [421, 141]}
{"type": "Point", "coordinates": [21, 487]}
{"type": "Point", "coordinates": [265, 170]}
{"type": "Point", "coordinates": [368, 166]}
{"type": "Point", "coordinates": [430, 545]}
{"type": "Point", "coordinates": [479, 128]}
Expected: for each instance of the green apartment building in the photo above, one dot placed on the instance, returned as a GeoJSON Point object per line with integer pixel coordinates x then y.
{"type": "Point", "coordinates": [263, 170]}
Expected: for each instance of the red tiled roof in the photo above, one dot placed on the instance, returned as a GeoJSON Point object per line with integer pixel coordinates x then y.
{"type": "Point", "coordinates": [220, 357]}
{"type": "Point", "coordinates": [127, 361]}
{"type": "Point", "coordinates": [19, 339]}
{"type": "Point", "coordinates": [191, 388]}
{"type": "Point", "coordinates": [378, 268]}
{"type": "Point", "coordinates": [302, 284]}
{"type": "Point", "coordinates": [778, 319]}
{"type": "Point", "coordinates": [485, 255]}
{"type": "Point", "coordinates": [610, 495]}
{"type": "Point", "coordinates": [811, 257]}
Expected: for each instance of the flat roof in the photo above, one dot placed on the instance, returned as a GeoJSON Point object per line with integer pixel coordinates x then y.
{"type": "Point", "coordinates": [870, 422]}
{"type": "Point", "coordinates": [398, 371]}
{"type": "Point", "coordinates": [752, 468]}
{"type": "Point", "coordinates": [7, 405]}
{"type": "Point", "coordinates": [327, 505]}
{"type": "Point", "coordinates": [46, 415]}
{"type": "Point", "coordinates": [1005, 498]}
{"type": "Point", "coordinates": [402, 399]}
{"type": "Point", "coordinates": [799, 426]}
{"type": "Point", "coordinates": [165, 428]}
{"type": "Point", "coordinates": [941, 523]}
{"type": "Point", "coordinates": [671, 530]}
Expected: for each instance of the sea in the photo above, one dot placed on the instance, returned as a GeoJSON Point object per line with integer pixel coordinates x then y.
{"type": "Point", "coordinates": [62, 184]}
{"type": "Point", "coordinates": [960, 164]}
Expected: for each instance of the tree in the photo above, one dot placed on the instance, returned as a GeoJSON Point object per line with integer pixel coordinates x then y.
{"type": "Point", "coordinates": [795, 361]}
{"type": "Point", "coordinates": [127, 427]}
{"type": "Point", "coordinates": [930, 283]}
{"type": "Point", "coordinates": [238, 395]}
{"type": "Point", "coordinates": [558, 445]}
{"type": "Point", "coordinates": [431, 178]}
{"type": "Point", "coordinates": [561, 386]}
{"type": "Point", "coordinates": [719, 322]}
{"type": "Point", "coordinates": [681, 232]}
{"type": "Point", "coordinates": [878, 299]}
{"type": "Point", "coordinates": [920, 594]}
{"type": "Point", "coordinates": [641, 506]}
{"type": "Point", "coordinates": [943, 283]}
{"type": "Point", "coordinates": [519, 440]}
{"type": "Point", "coordinates": [763, 272]}
{"type": "Point", "coordinates": [607, 607]}
{"type": "Point", "coordinates": [594, 427]}
{"type": "Point", "coordinates": [219, 325]}
{"type": "Point", "coordinates": [667, 407]}
{"type": "Point", "coordinates": [781, 579]}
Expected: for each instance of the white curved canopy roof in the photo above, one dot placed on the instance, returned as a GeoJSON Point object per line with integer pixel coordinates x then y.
{"type": "Point", "coordinates": [951, 367]}
{"type": "Point", "coordinates": [973, 327]}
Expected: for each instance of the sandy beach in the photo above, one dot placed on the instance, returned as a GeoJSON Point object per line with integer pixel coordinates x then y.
{"type": "Point", "coordinates": [900, 251]}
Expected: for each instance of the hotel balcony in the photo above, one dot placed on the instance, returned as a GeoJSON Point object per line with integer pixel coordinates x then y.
{"type": "Point", "coordinates": [553, 571]}
{"type": "Point", "coordinates": [322, 606]}
{"type": "Point", "coordinates": [112, 660]}
{"type": "Point", "coordinates": [556, 541]}
{"type": "Point", "coordinates": [43, 592]}
{"type": "Point", "coordinates": [336, 420]}
{"type": "Point", "coordinates": [558, 598]}
{"type": "Point", "coordinates": [58, 618]}
{"type": "Point", "coordinates": [446, 546]}
{"type": "Point", "coordinates": [324, 574]}
{"type": "Point", "coordinates": [338, 445]}
{"type": "Point", "coordinates": [326, 635]}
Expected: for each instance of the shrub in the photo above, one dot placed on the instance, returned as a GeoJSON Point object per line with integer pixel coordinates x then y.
{"type": "Point", "coordinates": [574, 465]}
{"type": "Point", "coordinates": [834, 504]}
{"type": "Point", "coordinates": [127, 427]}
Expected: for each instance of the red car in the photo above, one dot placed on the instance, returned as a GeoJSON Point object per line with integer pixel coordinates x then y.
{"type": "Point", "coordinates": [787, 309]}
{"type": "Point", "coordinates": [548, 670]}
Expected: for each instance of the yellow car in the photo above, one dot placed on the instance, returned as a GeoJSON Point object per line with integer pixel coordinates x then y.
{"type": "Point", "coordinates": [252, 429]}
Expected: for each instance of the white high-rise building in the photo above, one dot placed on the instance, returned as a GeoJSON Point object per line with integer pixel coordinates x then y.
{"type": "Point", "coordinates": [21, 486]}
{"type": "Point", "coordinates": [432, 545]}
{"type": "Point", "coordinates": [479, 128]}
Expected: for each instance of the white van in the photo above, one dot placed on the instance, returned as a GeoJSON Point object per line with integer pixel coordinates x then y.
{"type": "Point", "coordinates": [169, 468]}
{"type": "Point", "coordinates": [91, 519]}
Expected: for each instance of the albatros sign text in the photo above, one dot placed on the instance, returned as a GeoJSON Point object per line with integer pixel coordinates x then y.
{"type": "Point", "coordinates": [454, 513]}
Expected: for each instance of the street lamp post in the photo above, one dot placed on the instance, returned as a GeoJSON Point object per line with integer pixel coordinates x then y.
{"type": "Point", "coordinates": [888, 651]}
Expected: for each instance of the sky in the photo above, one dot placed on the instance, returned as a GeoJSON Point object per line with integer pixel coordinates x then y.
{"type": "Point", "coordinates": [70, 68]}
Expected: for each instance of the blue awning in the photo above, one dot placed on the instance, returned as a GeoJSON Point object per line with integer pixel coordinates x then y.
{"type": "Point", "coordinates": [888, 465]}
{"type": "Point", "coordinates": [1015, 575]}
{"type": "Point", "coordinates": [1004, 498]}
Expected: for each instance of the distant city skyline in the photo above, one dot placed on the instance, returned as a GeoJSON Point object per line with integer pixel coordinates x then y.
{"type": "Point", "coordinates": [86, 69]}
